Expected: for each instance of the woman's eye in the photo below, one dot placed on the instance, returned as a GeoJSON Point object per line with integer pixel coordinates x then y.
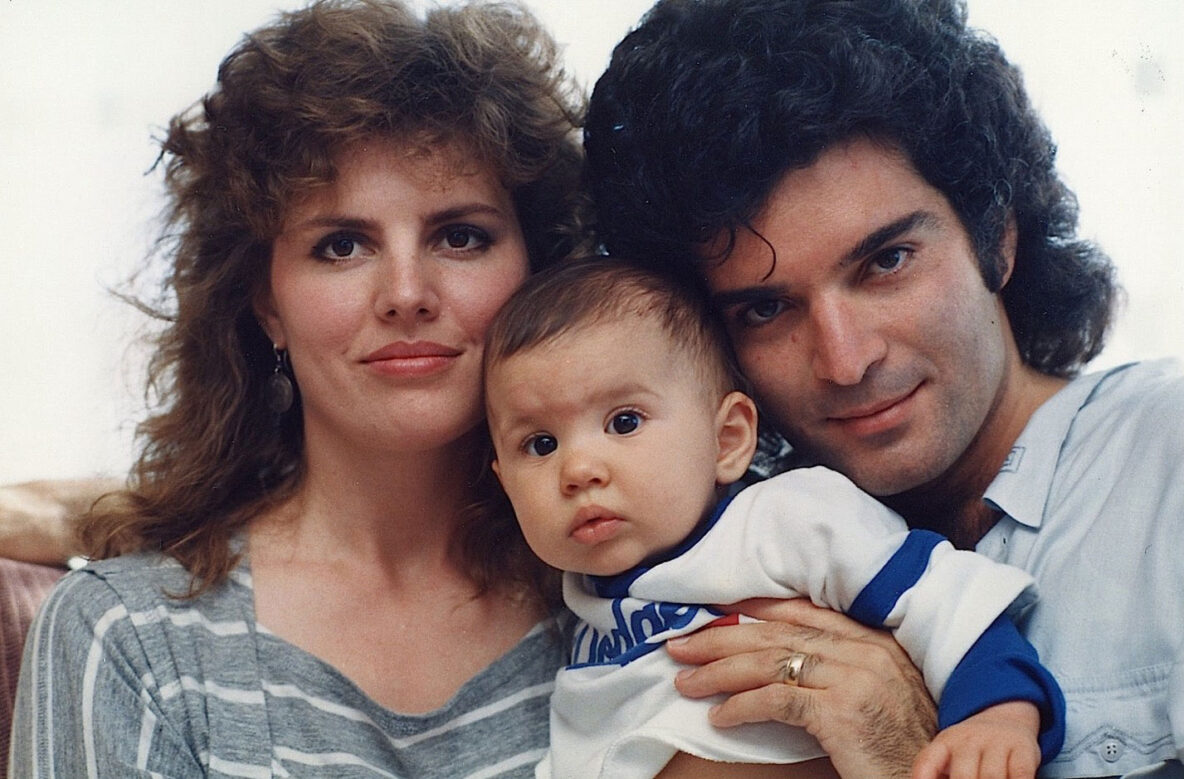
{"type": "Point", "coordinates": [761, 312]}
{"type": "Point", "coordinates": [465, 238]}
{"type": "Point", "coordinates": [624, 423]}
{"type": "Point", "coordinates": [540, 445]}
{"type": "Point", "coordinates": [338, 247]}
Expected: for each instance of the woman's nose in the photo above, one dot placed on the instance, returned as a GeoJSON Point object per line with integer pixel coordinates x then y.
{"type": "Point", "coordinates": [407, 287]}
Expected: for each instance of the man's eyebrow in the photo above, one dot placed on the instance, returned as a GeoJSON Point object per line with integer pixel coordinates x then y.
{"type": "Point", "coordinates": [888, 233]}
{"type": "Point", "coordinates": [752, 294]}
{"type": "Point", "coordinates": [866, 245]}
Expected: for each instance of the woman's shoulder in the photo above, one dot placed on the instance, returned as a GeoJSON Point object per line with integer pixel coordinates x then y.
{"type": "Point", "coordinates": [139, 584]}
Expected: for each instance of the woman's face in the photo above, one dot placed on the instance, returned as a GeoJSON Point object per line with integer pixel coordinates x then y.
{"type": "Point", "coordinates": [381, 288]}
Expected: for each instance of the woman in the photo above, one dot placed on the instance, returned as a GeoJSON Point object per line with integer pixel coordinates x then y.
{"type": "Point", "coordinates": [311, 572]}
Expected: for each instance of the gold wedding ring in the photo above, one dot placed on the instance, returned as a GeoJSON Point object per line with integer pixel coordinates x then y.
{"type": "Point", "coordinates": [791, 669]}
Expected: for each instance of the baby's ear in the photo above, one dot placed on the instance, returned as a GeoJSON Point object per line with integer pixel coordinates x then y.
{"type": "Point", "coordinates": [735, 429]}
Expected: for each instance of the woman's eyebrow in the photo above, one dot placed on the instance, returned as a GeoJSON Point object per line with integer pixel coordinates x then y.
{"type": "Point", "coordinates": [466, 209]}
{"type": "Point", "coordinates": [333, 220]}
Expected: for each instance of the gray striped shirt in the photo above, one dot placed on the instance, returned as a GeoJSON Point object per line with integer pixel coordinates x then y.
{"type": "Point", "coordinates": [121, 680]}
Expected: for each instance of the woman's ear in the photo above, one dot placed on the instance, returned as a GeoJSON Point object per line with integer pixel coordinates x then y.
{"type": "Point", "coordinates": [265, 314]}
{"type": "Point", "coordinates": [736, 433]}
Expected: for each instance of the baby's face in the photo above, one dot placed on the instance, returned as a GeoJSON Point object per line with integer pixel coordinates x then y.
{"type": "Point", "coordinates": [606, 444]}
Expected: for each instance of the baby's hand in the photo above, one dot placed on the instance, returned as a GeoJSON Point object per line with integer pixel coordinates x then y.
{"type": "Point", "coordinates": [997, 743]}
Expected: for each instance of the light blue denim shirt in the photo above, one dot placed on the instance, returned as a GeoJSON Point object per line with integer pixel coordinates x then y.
{"type": "Point", "coordinates": [1093, 502]}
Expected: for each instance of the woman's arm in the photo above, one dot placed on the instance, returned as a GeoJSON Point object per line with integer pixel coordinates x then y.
{"type": "Point", "coordinates": [858, 693]}
{"type": "Point", "coordinates": [88, 701]}
{"type": "Point", "coordinates": [37, 517]}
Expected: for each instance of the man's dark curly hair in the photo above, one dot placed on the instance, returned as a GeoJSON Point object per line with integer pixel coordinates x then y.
{"type": "Point", "coordinates": [709, 103]}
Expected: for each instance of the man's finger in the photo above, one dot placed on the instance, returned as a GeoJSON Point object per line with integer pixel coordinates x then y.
{"type": "Point", "coordinates": [804, 614]}
{"type": "Point", "coordinates": [751, 670]}
{"type": "Point", "coordinates": [796, 706]}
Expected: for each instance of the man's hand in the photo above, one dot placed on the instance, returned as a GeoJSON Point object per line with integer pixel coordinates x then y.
{"type": "Point", "coordinates": [999, 741]}
{"type": "Point", "coordinates": [857, 692]}
{"type": "Point", "coordinates": [37, 518]}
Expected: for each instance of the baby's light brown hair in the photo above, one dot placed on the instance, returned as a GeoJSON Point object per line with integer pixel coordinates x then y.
{"type": "Point", "coordinates": [586, 291]}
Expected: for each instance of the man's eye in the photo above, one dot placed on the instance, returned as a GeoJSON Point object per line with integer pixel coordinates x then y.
{"type": "Point", "coordinates": [624, 423]}
{"type": "Point", "coordinates": [889, 260]}
{"type": "Point", "coordinates": [761, 312]}
{"type": "Point", "coordinates": [540, 445]}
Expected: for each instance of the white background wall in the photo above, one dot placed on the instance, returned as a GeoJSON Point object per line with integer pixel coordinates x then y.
{"type": "Point", "coordinates": [84, 86]}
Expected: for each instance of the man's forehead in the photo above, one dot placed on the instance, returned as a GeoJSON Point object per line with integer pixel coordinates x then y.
{"type": "Point", "coordinates": [855, 198]}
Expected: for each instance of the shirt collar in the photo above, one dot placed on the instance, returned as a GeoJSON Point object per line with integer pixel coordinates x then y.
{"type": "Point", "coordinates": [1021, 488]}
{"type": "Point", "coordinates": [617, 585]}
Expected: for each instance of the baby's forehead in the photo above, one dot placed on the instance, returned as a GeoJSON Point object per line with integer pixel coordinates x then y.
{"type": "Point", "coordinates": [610, 349]}
{"type": "Point", "coordinates": [624, 322]}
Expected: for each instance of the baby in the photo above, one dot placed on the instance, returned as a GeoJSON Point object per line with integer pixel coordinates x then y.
{"type": "Point", "coordinates": [618, 425]}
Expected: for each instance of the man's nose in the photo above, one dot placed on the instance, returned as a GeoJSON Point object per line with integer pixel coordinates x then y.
{"type": "Point", "coordinates": [845, 345]}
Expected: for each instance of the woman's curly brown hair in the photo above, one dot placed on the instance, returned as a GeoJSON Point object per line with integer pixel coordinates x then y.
{"type": "Point", "coordinates": [288, 97]}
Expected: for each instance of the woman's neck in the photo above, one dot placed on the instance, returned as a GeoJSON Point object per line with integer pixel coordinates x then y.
{"type": "Point", "coordinates": [389, 508]}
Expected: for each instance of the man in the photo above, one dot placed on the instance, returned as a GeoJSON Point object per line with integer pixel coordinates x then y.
{"type": "Point", "coordinates": [873, 206]}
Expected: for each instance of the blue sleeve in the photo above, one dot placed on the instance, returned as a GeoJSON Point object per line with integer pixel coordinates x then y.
{"type": "Point", "coordinates": [879, 596]}
{"type": "Point", "coordinates": [1002, 666]}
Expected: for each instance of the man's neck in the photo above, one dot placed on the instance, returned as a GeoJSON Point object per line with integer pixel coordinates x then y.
{"type": "Point", "coordinates": [953, 503]}
{"type": "Point", "coordinates": [964, 519]}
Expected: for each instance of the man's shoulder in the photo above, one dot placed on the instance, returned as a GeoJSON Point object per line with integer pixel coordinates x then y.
{"type": "Point", "coordinates": [1144, 393]}
{"type": "Point", "coordinates": [1123, 417]}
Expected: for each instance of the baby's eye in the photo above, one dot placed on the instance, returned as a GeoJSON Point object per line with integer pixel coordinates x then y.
{"type": "Point", "coordinates": [624, 423]}
{"type": "Point", "coordinates": [540, 445]}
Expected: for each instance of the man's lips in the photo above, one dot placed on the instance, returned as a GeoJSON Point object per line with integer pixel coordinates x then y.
{"type": "Point", "coordinates": [594, 524]}
{"type": "Point", "coordinates": [875, 417]}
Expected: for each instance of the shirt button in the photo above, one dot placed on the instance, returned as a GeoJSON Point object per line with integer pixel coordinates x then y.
{"type": "Point", "coordinates": [1111, 750]}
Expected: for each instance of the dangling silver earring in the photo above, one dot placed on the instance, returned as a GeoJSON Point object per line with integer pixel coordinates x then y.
{"type": "Point", "coordinates": [280, 392]}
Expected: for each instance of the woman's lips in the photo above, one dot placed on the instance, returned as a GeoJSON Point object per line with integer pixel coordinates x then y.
{"type": "Point", "coordinates": [421, 358]}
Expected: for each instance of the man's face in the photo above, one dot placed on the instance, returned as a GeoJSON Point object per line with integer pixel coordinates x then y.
{"type": "Point", "coordinates": [871, 339]}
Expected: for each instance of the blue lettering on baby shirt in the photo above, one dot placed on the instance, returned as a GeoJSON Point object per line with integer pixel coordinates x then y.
{"type": "Point", "coordinates": [632, 628]}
